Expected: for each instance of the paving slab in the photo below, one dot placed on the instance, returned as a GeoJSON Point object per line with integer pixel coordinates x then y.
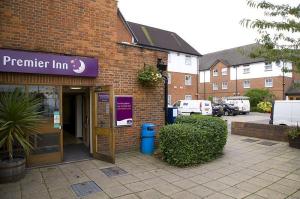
{"type": "Point", "coordinates": [246, 170]}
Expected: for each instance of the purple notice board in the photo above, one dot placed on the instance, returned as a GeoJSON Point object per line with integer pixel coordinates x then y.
{"type": "Point", "coordinates": [46, 63]}
{"type": "Point", "coordinates": [124, 110]}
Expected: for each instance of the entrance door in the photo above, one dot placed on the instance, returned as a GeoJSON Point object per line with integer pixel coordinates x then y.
{"type": "Point", "coordinates": [103, 133]}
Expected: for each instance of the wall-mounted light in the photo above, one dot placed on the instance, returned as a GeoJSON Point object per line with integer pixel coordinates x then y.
{"type": "Point", "coordinates": [75, 88]}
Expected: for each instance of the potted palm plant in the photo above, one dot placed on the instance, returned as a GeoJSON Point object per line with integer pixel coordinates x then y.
{"type": "Point", "coordinates": [19, 118]}
{"type": "Point", "coordinates": [294, 137]}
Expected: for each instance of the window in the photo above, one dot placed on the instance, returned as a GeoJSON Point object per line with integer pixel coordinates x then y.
{"type": "Point", "coordinates": [246, 69]}
{"type": "Point", "coordinates": [188, 80]}
{"type": "Point", "coordinates": [224, 85]}
{"type": "Point", "coordinates": [215, 86]}
{"type": "Point", "coordinates": [188, 97]}
{"type": "Point", "coordinates": [247, 84]}
{"type": "Point", "coordinates": [169, 78]}
{"type": "Point", "coordinates": [269, 82]}
{"type": "Point", "coordinates": [278, 63]}
{"type": "Point", "coordinates": [169, 58]}
{"type": "Point", "coordinates": [268, 66]}
{"type": "Point", "coordinates": [49, 96]}
{"type": "Point", "coordinates": [169, 99]}
{"type": "Point", "coordinates": [215, 72]}
{"type": "Point", "coordinates": [224, 71]}
{"type": "Point", "coordinates": [188, 60]}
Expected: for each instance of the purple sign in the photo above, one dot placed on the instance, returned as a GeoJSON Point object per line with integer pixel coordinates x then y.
{"type": "Point", "coordinates": [123, 110]}
{"type": "Point", "coordinates": [46, 63]}
{"type": "Point", "coordinates": [103, 97]}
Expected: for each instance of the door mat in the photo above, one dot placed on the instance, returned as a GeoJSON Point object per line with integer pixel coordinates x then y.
{"type": "Point", "coordinates": [113, 171]}
{"type": "Point", "coordinates": [267, 143]}
{"type": "Point", "coordinates": [85, 188]}
{"type": "Point", "coordinates": [249, 140]}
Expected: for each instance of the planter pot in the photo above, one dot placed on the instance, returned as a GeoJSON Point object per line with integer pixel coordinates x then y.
{"type": "Point", "coordinates": [295, 143]}
{"type": "Point", "coordinates": [13, 170]}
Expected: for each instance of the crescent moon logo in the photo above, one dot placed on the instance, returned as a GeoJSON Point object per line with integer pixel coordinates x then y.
{"type": "Point", "coordinates": [81, 67]}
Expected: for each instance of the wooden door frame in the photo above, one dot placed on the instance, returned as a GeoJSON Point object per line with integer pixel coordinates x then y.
{"type": "Point", "coordinates": [104, 131]}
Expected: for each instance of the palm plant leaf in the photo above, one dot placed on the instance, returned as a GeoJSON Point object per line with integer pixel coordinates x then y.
{"type": "Point", "coordinates": [19, 118]}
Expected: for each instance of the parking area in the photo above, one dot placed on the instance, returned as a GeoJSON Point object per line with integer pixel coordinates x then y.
{"type": "Point", "coordinates": [249, 168]}
{"type": "Point", "coordinates": [253, 117]}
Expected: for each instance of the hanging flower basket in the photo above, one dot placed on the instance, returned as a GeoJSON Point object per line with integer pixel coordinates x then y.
{"type": "Point", "coordinates": [149, 76]}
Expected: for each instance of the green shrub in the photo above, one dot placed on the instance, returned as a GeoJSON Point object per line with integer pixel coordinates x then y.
{"type": "Point", "coordinates": [265, 107]}
{"type": "Point", "coordinates": [259, 95]}
{"type": "Point", "coordinates": [294, 132]}
{"type": "Point", "coordinates": [193, 140]}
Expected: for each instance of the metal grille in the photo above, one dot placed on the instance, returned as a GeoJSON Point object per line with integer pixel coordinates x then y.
{"type": "Point", "coordinates": [85, 188]}
{"type": "Point", "coordinates": [267, 143]}
{"type": "Point", "coordinates": [113, 171]}
{"type": "Point", "coordinates": [250, 140]}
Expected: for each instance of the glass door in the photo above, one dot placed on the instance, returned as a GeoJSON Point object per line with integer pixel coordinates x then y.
{"type": "Point", "coordinates": [103, 140]}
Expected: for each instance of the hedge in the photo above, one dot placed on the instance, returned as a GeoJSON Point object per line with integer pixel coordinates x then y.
{"type": "Point", "coordinates": [193, 140]}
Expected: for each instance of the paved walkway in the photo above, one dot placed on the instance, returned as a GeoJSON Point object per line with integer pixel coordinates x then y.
{"type": "Point", "coordinates": [247, 170]}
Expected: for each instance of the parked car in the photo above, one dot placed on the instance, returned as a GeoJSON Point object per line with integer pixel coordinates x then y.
{"type": "Point", "coordinates": [189, 107]}
{"type": "Point", "coordinates": [217, 110]}
{"type": "Point", "coordinates": [242, 102]}
{"type": "Point", "coordinates": [285, 112]}
{"type": "Point", "coordinates": [229, 109]}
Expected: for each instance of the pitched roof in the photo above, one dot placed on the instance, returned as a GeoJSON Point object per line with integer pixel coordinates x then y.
{"type": "Point", "coordinates": [162, 39]}
{"type": "Point", "coordinates": [233, 57]}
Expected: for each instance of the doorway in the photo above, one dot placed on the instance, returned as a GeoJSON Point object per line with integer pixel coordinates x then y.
{"type": "Point", "coordinates": [76, 127]}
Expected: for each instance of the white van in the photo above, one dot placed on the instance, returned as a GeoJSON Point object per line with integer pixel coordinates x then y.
{"type": "Point", "coordinates": [285, 113]}
{"type": "Point", "coordinates": [189, 107]}
{"type": "Point", "coordinates": [242, 102]}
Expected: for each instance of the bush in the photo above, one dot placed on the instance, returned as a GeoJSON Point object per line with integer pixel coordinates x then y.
{"type": "Point", "coordinates": [193, 140]}
{"type": "Point", "coordinates": [265, 107]}
{"type": "Point", "coordinates": [259, 95]}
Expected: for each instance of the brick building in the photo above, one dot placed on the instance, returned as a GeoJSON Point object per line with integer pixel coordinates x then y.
{"type": "Point", "coordinates": [80, 93]}
{"type": "Point", "coordinates": [232, 72]}
{"type": "Point", "coordinates": [183, 60]}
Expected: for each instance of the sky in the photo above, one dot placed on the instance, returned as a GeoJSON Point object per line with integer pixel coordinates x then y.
{"type": "Point", "coordinates": [207, 25]}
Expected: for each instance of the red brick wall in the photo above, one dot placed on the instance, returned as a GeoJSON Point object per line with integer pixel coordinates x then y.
{"type": "Point", "coordinates": [85, 28]}
{"type": "Point", "coordinates": [122, 32]}
{"type": "Point", "coordinates": [254, 83]}
{"type": "Point", "coordinates": [263, 131]}
{"type": "Point", "coordinates": [178, 89]}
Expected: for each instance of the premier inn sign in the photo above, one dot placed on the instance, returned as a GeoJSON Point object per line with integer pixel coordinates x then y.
{"type": "Point", "coordinates": [46, 63]}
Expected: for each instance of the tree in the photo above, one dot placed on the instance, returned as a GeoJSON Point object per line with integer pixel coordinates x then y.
{"type": "Point", "coordinates": [279, 32]}
{"type": "Point", "coordinates": [257, 95]}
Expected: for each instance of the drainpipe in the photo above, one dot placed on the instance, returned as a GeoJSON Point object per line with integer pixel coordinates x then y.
{"type": "Point", "coordinates": [163, 68]}
{"type": "Point", "coordinates": [236, 81]}
{"type": "Point", "coordinates": [204, 87]}
{"type": "Point", "coordinates": [283, 81]}
{"type": "Point", "coordinates": [166, 97]}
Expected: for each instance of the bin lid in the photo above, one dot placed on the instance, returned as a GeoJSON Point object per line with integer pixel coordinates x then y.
{"type": "Point", "coordinates": [146, 125]}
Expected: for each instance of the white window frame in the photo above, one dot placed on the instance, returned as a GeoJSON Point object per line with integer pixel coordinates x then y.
{"type": "Point", "coordinates": [224, 85]}
{"type": "Point", "coordinates": [215, 72]}
{"type": "Point", "coordinates": [246, 86]}
{"type": "Point", "coordinates": [224, 71]}
{"type": "Point", "coordinates": [188, 82]}
{"type": "Point", "coordinates": [278, 63]}
{"type": "Point", "coordinates": [188, 60]}
{"type": "Point", "coordinates": [268, 66]}
{"type": "Point", "coordinates": [246, 69]}
{"type": "Point", "coordinates": [169, 78]}
{"type": "Point", "coordinates": [169, 58]}
{"type": "Point", "coordinates": [215, 86]}
{"type": "Point", "coordinates": [188, 97]}
{"type": "Point", "coordinates": [268, 85]}
{"type": "Point", "coordinates": [170, 99]}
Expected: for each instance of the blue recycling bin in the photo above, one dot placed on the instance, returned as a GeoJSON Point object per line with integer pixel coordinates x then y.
{"type": "Point", "coordinates": [147, 138]}
{"type": "Point", "coordinates": [172, 114]}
